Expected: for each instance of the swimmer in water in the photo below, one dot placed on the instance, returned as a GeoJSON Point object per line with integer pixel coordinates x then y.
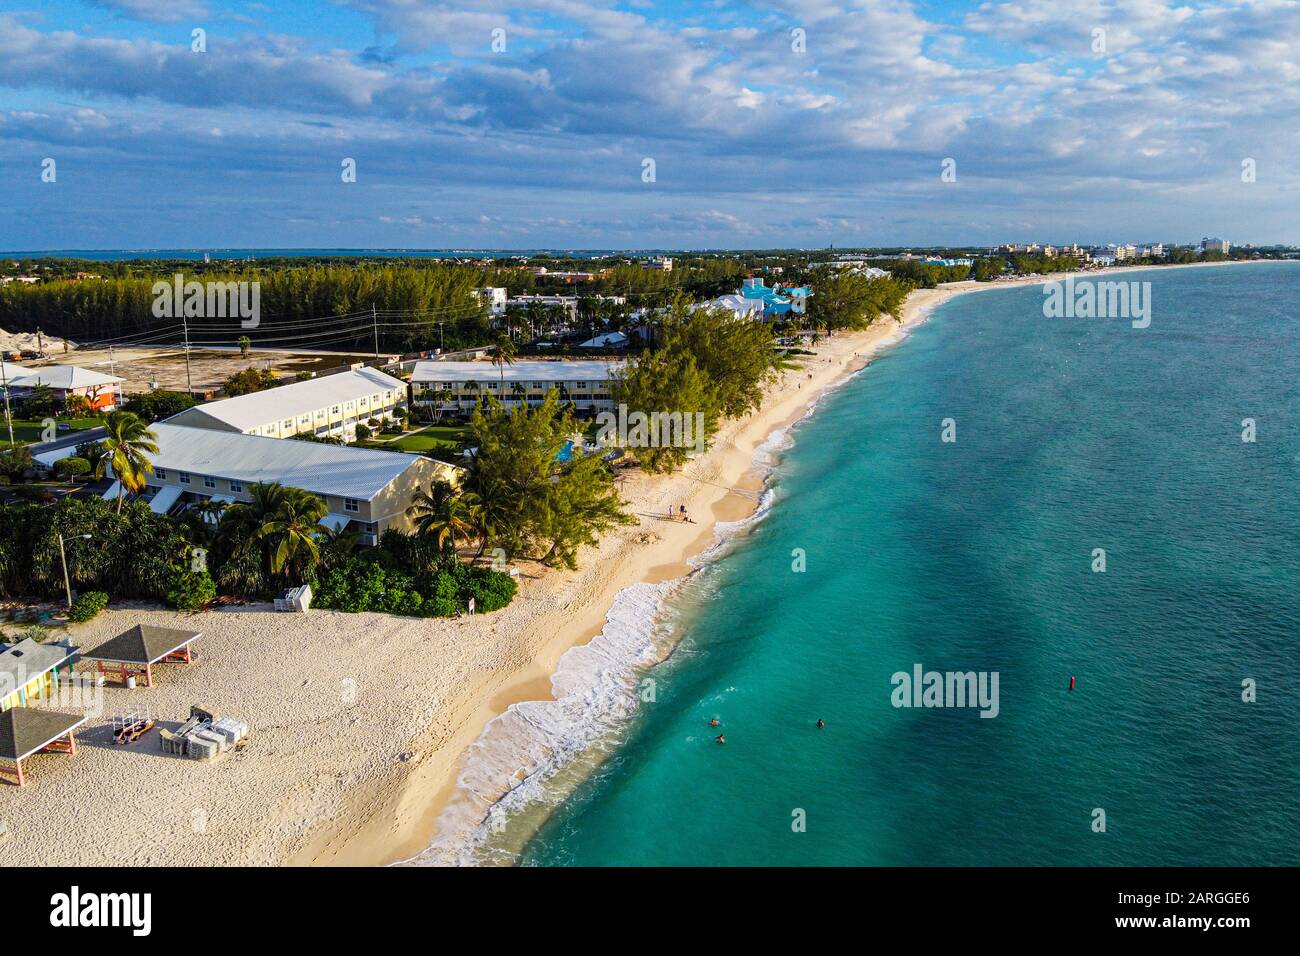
{"type": "Point", "coordinates": [821, 724]}
{"type": "Point", "coordinates": [713, 722]}
{"type": "Point", "coordinates": [721, 739]}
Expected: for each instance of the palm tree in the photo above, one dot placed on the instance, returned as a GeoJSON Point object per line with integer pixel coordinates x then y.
{"type": "Point", "coordinates": [282, 522]}
{"type": "Point", "coordinates": [502, 353]}
{"type": "Point", "coordinates": [127, 444]}
{"type": "Point", "coordinates": [494, 509]}
{"type": "Point", "coordinates": [245, 343]}
{"type": "Point", "coordinates": [444, 513]}
{"type": "Point", "coordinates": [202, 519]}
{"type": "Point", "coordinates": [518, 389]}
{"type": "Point", "coordinates": [336, 545]}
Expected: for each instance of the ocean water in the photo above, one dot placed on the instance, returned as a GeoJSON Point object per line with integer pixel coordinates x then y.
{"type": "Point", "coordinates": [976, 555]}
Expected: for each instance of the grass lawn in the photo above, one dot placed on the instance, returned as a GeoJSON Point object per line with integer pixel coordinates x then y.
{"type": "Point", "coordinates": [431, 438]}
{"type": "Point", "coordinates": [27, 432]}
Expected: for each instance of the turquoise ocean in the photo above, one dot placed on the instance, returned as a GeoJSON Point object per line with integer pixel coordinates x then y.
{"type": "Point", "coordinates": [978, 555]}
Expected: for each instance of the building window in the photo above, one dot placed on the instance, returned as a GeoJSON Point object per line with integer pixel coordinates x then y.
{"type": "Point", "coordinates": [334, 410]}
{"type": "Point", "coordinates": [237, 486]}
{"type": "Point", "coordinates": [351, 504]}
{"type": "Point", "coordinates": [160, 473]}
{"type": "Point", "coordinates": [288, 423]}
{"type": "Point", "coordinates": [185, 477]}
{"type": "Point", "coordinates": [209, 482]}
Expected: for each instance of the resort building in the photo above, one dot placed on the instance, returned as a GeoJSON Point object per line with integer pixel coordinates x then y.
{"type": "Point", "coordinates": [104, 392]}
{"type": "Point", "coordinates": [658, 264]}
{"type": "Point", "coordinates": [328, 406]}
{"type": "Point", "coordinates": [457, 386]}
{"type": "Point", "coordinates": [1215, 245]}
{"type": "Point", "coordinates": [755, 299]}
{"type": "Point", "coordinates": [569, 303]}
{"type": "Point", "coordinates": [366, 491]}
{"type": "Point", "coordinates": [494, 297]}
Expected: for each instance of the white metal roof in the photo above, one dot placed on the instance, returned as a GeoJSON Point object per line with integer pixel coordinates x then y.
{"type": "Point", "coordinates": [63, 377]}
{"type": "Point", "coordinates": [602, 341]}
{"type": "Point", "coordinates": [325, 469]}
{"type": "Point", "coordinates": [167, 496]}
{"type": "Point", "coordinates": [12, 372]}
{"type": "Point", "coordinates": [581, 371]}
{"type": "Point", "coordinates": [27, 660]}
{"type": "Point", "coordinates": [299, 398]}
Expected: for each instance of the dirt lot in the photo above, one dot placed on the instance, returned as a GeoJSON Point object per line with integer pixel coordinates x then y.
{"type": "Point", "coordinates": [208, 367]}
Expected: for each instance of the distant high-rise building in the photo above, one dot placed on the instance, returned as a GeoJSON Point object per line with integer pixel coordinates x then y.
{"type": "Point", "coordinates": [1215, 245]}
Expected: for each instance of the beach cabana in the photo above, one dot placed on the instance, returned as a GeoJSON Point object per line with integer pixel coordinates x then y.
{"type": "Point", "coordinates": [30, 671]}
{"type": "Point", "coordinates": [25, 731]}
{"type": "Point", "coordinates": [135, 652]}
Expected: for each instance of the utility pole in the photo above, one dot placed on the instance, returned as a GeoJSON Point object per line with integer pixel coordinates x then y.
{"type": "Point", "coordinates": [189, 381]}
{"type": "Point", "coordinates": [374, 321]}
{"type": "Point", "coordinates": [40, 342]}
{"type": "Point", "coordinates": [442, 346]}
{"type": "Point", "coordinates": [4, 384]}
{"type": "Point", "coordinates": [111, 369]}
{"type": "Point", "coordinates": [67, 582]}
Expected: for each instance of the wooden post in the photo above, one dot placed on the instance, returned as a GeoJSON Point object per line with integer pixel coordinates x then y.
{"type": "Point", "coordinates": [19, 765]}
{"type": "Point", "coordinates": [72, 744]}
{"type": "Point", "coordinates": [148, 675]}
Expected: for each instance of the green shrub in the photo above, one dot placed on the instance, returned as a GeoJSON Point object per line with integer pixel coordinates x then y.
{"type": "Point", "coordinates": [72, 467]}
{"type": "Point", "coordinates": [374, 584]}
{"type": "Point", "coordinates": [87, 605]}
{"type": "Point", "coordinates": [491, 590]}
{"type": "Point", "coordinates": [362, 432]}
{"type": "Point", "coordinates": [191, 590]}
{"type": "Point", "coordinates": [34, 632]}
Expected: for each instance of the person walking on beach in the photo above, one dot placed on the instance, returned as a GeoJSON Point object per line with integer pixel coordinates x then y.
{"type": "Point", "coordinates": [471, 607]}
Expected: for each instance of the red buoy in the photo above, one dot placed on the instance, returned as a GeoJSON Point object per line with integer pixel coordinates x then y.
{"type": "Point", "coordinates": [1071, 682]}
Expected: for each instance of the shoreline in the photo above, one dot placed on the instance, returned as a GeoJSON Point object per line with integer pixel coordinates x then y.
{"type": "Point", "coordinates": [738, 443]}
{"type": "Point", "coordinates": [722, 485]}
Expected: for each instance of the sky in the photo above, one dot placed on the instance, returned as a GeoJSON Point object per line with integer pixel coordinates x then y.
{"type": "Point", "coordinates": [587, 124]}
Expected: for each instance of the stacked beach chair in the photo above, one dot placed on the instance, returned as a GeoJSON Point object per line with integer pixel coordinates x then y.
{"type": "Point", "coordinates": [205, 736]}
{"type": "Point", "coordinates": [294, 599]}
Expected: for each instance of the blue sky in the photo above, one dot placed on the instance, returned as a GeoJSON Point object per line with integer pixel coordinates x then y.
{"type": "Point", "coordinates": [542, 144]}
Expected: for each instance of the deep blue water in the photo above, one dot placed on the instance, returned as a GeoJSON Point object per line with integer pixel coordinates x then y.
{"type": "Point", "coordinates": [976, 555]}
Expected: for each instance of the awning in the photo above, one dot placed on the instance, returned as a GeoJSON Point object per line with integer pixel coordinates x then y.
{"type": "Point", "coordinates": [112, 491]}
{"type": "Point", "coordinates": [166, 497]}
{"type": "Point", "coordinates": [335, 522]}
